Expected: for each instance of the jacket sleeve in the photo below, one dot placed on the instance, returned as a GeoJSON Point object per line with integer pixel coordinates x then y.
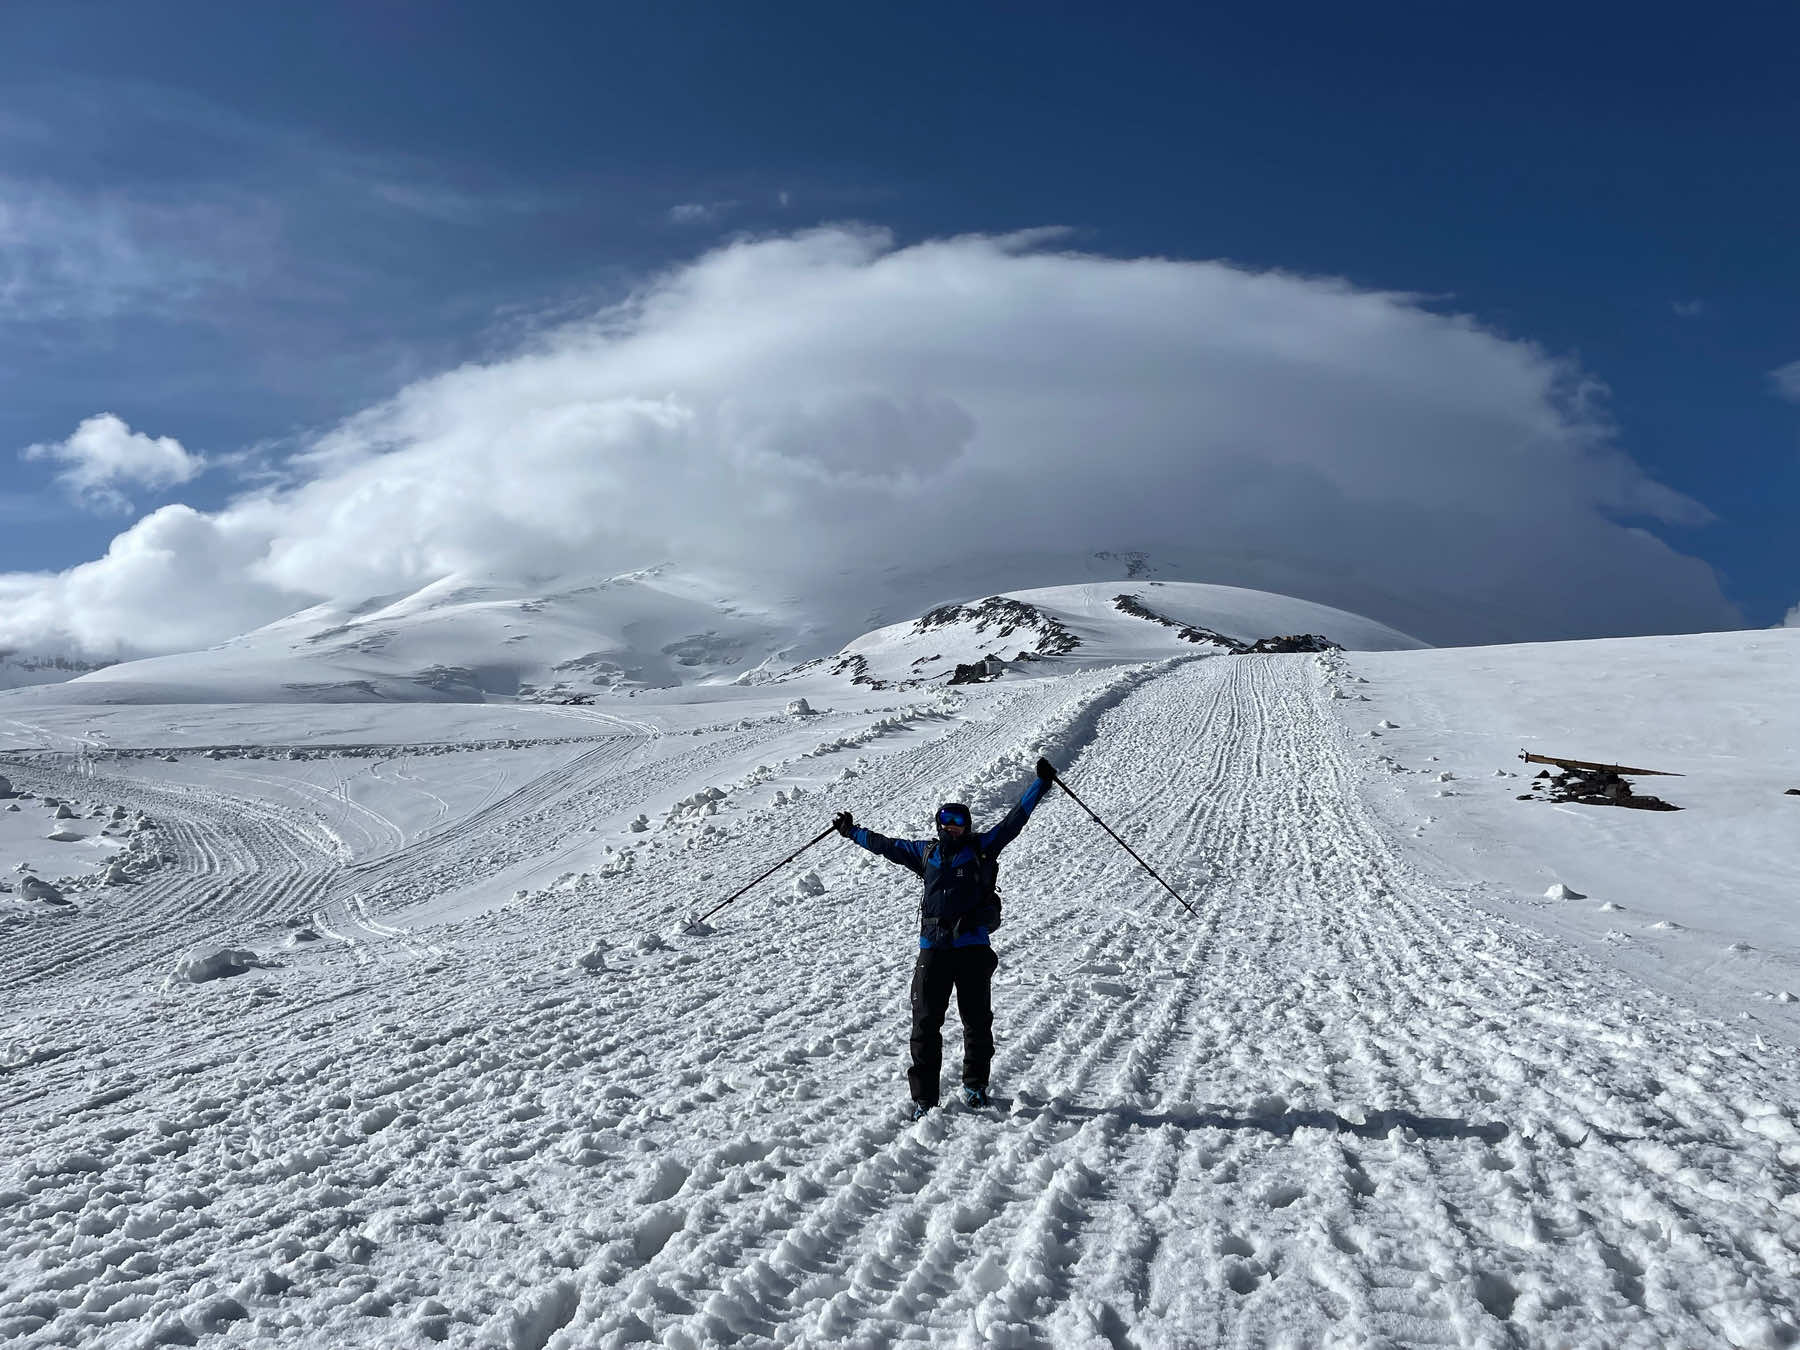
{"type": "Point", "coordinates": [909, 853]}
{"type": "Point", "coordinates": [992, 841]}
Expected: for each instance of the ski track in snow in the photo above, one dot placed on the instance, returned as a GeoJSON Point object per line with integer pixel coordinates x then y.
{"type": "Point", "coordinates": [1342, 1107]}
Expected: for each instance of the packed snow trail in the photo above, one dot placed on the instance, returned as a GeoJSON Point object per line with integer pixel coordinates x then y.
{"type": "Point", "coordinates": [1343, 1107]}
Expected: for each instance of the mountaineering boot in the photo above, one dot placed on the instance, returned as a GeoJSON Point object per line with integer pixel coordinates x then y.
{"type": "Point", "coordinates": [976, 1096]}
{"type": "Point", "coordinates": [917, 1111]}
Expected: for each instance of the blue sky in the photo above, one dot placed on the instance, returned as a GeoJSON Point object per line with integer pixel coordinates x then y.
{"type": "Point", "coordinates": [232, 225]}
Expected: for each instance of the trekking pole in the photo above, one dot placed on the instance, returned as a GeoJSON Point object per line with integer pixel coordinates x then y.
{"type": "Point", "coordinates": [763, 876]}
{"type": "Point", "coordinates": [1127, 847]}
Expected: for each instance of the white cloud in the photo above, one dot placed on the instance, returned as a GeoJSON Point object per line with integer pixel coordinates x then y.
{"type": "Point", "coordinates": [103, 455]}
{"type": "Point", "coordinates": [67, 256]}
{"type": "Point", "coordinates": [1688, 309]}
{"type": "Point", "coordinates": [1793, 618]}
{"type": "Point", "coordinates": [700, 213]}
{"type": "Point", "coordinates": [1786, 380]}
{"type": "Point", "coordinates": [812, 409]}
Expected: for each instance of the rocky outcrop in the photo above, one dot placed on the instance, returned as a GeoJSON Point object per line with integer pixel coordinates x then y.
{"type": "Point", "coordinates": [1187, 632]}
{"type": "Point", "coordinates": [1293, 642]}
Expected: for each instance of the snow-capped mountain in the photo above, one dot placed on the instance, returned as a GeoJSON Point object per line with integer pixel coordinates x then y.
{"type": "Point", "coordinates": [1095, 623]}
{"type": "Point", "coordinates": [465, 639]}
{"type": "Point", "coordinates": [472, 639]}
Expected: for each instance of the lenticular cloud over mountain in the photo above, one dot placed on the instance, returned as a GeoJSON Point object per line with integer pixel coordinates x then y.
{"type": "Point", "coordinates": [804, 410]}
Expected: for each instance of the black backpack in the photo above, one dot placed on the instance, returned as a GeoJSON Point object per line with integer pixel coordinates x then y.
{"type": "Point", "coordinates": [990, 881]}
{"type": "Point", "coordinates": [987, 868]}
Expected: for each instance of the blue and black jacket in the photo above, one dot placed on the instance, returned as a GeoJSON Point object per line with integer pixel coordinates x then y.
{"type": "Point", "coordinates": [950, 915]}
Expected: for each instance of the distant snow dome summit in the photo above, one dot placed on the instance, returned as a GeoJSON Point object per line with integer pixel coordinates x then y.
{"type": "Point", "coordinates": [468, 640]}
{"type": "Point", "coordinates": [1099, 623]}
{"type": "Point", "coordinates": [575, 640]}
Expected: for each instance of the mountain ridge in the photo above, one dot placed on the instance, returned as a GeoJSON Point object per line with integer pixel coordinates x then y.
{"type": "Point", "coordinates": [573, 639]}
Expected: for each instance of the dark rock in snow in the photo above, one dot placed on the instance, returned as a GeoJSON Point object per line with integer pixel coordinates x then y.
{"type": "Point", "coordinates": [1007, 616]}
{"type": "Point", "coordinates": [1293, 642]}
{"type": "Point", "coordinates": [1132, 605]}
{"type": "Point", "coordinates": [1595, 787]}
{"type": "Point", "coordinates": [988, 668]}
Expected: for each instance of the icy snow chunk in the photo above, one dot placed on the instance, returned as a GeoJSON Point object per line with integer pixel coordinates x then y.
{"type": "Point", "coordinates": [1561, 891]}
{"type": "Point", "coordinates": [641, 824]}
{"type": "Point", "coordinates": [218, 963]}
{"type": "Point", "coordinates": [808, 884]}
{"type": "Point", "coordinates": [65, 836]}
{"type": "Point", "coordinates": [800, 708]}
{"type": "Point", "coordinates": [63, 812]}
{"type": "Point", "coordinates": [594, 958]}
{"type": "Point", "coordinates": [36, 888]}
{"type": "Point", "coordinates": [213, 1314]}
{"type": "Point", "coordinates": [1386, 725]}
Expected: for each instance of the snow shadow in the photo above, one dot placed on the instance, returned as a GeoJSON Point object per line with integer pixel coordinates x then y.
{"type": "Point", "coordinates": [1375, 1125]}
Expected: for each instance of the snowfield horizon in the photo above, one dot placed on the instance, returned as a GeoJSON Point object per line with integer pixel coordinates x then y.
{"type": "Point", "coordinates": [469, 639]}
{"type": "Point", "coordinates": [381, 1021]}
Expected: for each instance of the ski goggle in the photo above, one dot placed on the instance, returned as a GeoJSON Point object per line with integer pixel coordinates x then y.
{"type": "Point", "coordinates": [957, 818]}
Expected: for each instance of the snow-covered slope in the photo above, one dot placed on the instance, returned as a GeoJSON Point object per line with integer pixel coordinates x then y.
{"type": "Point", "coordinates": [1701, 900]}
{"type": "Point", "coordinates": [395, 1042]}
{"type": "Point", "coordinates": [469, 639]}
{"type": "Point", "coordinates": [465, 639]}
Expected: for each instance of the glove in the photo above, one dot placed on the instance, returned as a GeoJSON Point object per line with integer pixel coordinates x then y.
{"type": "Point", "coordinates": [1046, 771]}
{"type": "Point", "coordinates": [842, 823]}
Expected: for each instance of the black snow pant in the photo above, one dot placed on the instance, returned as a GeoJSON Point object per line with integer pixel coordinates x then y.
{"type": "Point", "coordinates": [970, 972]}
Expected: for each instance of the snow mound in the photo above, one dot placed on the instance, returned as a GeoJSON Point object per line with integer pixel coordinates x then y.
{"type": "Point", "coordinates": [36, 888]}
{"type": "Point", "coordinates": [1561, 891]}
{"type": "Point", "coordinates": [202, 966]}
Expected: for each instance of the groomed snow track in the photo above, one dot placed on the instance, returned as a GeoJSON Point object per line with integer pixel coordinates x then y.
{"type": "Point", "coordinates": [1344, 1107]}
